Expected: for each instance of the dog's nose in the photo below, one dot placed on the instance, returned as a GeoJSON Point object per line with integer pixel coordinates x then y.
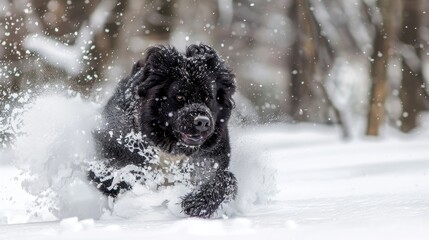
{"type": "Point", "coordinates": [202, 123]}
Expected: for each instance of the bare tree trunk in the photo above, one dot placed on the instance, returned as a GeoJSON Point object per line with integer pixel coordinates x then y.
{"type": "Point", "coordinates": [380, 60]}
{"type": "Point", "coordinates": [310, 62]}
{"type": "Point", "coordinates": [412, 93]}
{"type": "Point", "coordinates": [303, 61]}
{"type": "Point", "coordinates": [12, 54]}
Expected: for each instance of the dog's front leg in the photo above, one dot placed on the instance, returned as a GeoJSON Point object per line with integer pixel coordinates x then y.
{"type": "Point", "coordinates": [209, 196]}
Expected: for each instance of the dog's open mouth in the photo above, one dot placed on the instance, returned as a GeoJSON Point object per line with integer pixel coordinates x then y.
{"type": "Point", "coordinates": [192, 139]}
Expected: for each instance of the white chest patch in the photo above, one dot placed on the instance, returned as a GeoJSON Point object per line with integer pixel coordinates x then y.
{"type": "Point", "coordinates": [167, 160]}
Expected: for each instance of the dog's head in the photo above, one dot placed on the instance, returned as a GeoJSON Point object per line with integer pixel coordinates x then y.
{"type": "Point", "coordinates": [183, 100]}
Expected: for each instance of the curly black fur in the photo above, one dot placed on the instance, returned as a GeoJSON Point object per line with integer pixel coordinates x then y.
{"type": "Point", "coordinates": [177, 104]}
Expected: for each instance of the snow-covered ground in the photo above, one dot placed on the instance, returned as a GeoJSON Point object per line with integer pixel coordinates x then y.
{"type": "Point", "coordinates": [296, 182]}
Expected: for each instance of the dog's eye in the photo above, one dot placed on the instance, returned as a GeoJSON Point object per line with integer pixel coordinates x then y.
{"type": "Point", "coordinates": [207, 99]}
{"type": "Point", "coordinates": [180, 98]}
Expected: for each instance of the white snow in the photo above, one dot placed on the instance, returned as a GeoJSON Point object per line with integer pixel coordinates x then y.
{"type": "Point", "coordinates": [295, 182]}
{"type": "Point", "coordinates": [57, 53]}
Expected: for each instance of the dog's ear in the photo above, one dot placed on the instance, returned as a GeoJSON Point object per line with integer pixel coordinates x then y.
{"type": "Point", "coordinates": [154, 68]}
{"type": "Point", "coordinates": [225, 82]}
{"type": "Point", "coordinates": [205, 52]}
{"type": "Point", "coordinates": [142, 62]}
{"type": "Point", "coordinates": [200, 49]}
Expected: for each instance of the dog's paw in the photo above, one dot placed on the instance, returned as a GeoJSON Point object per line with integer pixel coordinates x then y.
{"type": "Point", "coordinates": [199, 205]}
{"type": "Point", "coordinates": [208, 198]}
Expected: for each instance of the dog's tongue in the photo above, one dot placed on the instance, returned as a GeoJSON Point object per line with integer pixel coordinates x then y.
{"type": "Point", "coordinates": [192, 139]}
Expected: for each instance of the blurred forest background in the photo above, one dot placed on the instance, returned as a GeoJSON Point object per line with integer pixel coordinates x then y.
{"type": "Point", "coordinates": [319, 61]}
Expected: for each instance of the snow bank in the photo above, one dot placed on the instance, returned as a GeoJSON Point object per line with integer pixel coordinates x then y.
{"type": "Point", "coordinates": [328, 189]}
{"type": "Point", "coordinates": [55, 147]}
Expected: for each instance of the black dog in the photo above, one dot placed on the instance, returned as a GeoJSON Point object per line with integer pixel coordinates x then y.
{"type": "Point", "coordinates": [167, 122]}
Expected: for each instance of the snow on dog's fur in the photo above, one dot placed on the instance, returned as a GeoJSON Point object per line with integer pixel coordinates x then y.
{"type": "Point", "coordinates": [167, 123]}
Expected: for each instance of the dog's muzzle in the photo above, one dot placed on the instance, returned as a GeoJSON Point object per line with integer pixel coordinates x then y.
{"type": "Point", "coordinates": [195, 124]}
